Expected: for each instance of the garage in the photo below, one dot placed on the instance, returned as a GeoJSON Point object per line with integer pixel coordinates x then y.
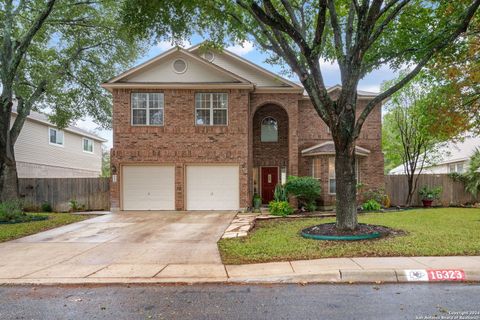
{"type": "Point", "coordinates": [212, 187]}
{"type": "Point", "coordinates": [148, 187]}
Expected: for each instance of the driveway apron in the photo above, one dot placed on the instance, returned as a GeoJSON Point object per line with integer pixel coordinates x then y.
{"type": "Point", "coordinates": [129, 238]}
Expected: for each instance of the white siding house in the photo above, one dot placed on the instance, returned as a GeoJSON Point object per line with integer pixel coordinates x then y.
{"type": "Point", "coordinates": [44, 151]}
{"type": "Point", "coordinates": [453, 157]}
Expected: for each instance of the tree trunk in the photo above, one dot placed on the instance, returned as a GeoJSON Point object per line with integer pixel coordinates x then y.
{"type": "Point", "coordinates": [8, 169]}
{"type": "Point", "coordinates": [411, 189]}
{"type": "Point", "coordinates": [346, 189]}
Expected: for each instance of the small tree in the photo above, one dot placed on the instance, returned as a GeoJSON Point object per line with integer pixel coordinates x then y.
{"type": "Point", "coordinates": [413, 133]}
{"type": "Point", "coordinates": [472, 176]}
{"type": "Point", "coordinates": [106, 171]}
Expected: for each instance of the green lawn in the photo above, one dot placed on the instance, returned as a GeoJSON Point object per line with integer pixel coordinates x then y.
{"type": "Point", "coordinates": [430, 232]}
{"type": "Point", "coordinates": [18, 230]}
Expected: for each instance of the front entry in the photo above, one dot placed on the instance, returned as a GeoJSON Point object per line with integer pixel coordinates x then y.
{"type": "Point", "coordinates": [269, 179]}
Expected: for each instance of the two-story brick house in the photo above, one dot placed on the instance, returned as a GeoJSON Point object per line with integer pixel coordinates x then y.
{"type": "Point", "coordinates": [196, 129]}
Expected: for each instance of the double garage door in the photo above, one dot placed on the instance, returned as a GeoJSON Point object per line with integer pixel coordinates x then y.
{"type": "Point", "coordinates": [207, 187]}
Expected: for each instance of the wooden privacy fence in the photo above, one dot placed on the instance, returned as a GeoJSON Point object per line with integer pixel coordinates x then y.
{"type": "Point", "coordinates": [92, 193]}
{"type": "Point", "coordinates": [453, 192]}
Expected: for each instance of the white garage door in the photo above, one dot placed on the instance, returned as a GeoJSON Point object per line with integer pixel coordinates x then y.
{"type": "Point", "coordinates": [148, 188]}
{"type": "Point", "coordinates": [212, 187]}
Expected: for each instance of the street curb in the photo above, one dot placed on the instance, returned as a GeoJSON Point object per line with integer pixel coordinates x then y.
{"type": "Point", "coordinates": [327, 276]}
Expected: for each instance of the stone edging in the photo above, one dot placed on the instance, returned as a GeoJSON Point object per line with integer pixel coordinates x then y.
{"type": "Point", "coordinates": [243, 223]}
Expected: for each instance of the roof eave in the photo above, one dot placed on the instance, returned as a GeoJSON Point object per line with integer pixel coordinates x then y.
{"type": "Point", "coordinates": [78, 133]}
{"type": "Point", "coordinates": [278, 90]}
{"type": "Point", "coordinates": [170, 85]}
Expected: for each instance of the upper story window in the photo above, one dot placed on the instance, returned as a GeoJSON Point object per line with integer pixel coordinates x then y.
{"type": "Point", "coordinates": [87, 145]}
{"type": "Point", "coordinates": [211, 109]}
{"type": "Point", "coordinates": [269, 130]}
{"type": "Point", "coordinates": [55, 137]}
{"type": "Point", "coordinates": [147, 108]}
{"type": "Point", "coordinates": [456, 167]}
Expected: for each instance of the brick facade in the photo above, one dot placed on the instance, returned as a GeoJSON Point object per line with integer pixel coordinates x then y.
{"type": "Point", "coordinates": [180, 142]}
{"type": "Point", "coordinates": [316, 132]}
{"type": "Point", "coordinates": [270, 153]}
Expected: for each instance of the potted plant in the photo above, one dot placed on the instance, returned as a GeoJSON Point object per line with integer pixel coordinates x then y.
{"type": "Point", "coordinates": [429, 194]}
{"type": "Point", "coordinates": [257, 202]}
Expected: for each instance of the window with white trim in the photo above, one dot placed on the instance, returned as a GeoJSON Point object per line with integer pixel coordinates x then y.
{"type": "Point", "coordinates": [55, 137]}
{"type": "Point", "coordinates": [456, 167]}
{"type": "Point", "coordinates": [332, 182]}
{"type": "Point", "coordinates": [211, 109]}
{"type": "Point", "coordinates": [87, 145]}
{"type": "Point", "coordinates": [147, 109]}
{"type": "Point", "coordinates": [269, 130]}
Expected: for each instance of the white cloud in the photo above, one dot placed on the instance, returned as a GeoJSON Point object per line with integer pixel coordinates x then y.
{"type": "Point", "coordinates": [241, 49]}
{"type": "Point", "coordinates": [166, 45]}
{"type": "Point", "coordinates": [329, 66]}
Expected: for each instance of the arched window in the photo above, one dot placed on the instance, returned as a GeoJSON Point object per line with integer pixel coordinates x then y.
{"type": "Point", "coordinates": [269, 130]}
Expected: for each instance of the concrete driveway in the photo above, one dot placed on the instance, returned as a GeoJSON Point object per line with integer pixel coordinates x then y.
{"type": "Point", "coordinates": [124, 240]}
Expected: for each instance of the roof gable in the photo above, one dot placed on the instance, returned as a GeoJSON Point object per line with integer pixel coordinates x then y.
{"type": "Point", "coordinates": [246, 69]}
{"type": "Point", "coordinates": [328, 148]}
{"type": "Point", "coordinates": [160, 70]}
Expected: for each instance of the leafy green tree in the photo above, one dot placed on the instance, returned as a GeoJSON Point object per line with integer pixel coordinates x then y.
{"type": "Point", "coordinates": [456, 74]}
{"type": "Point", "coordinates": [361, 35]}
{"type": "Point", "coordinates": [106, 171]}
{"type": "Point", "coordinates": [413, 128]}
{"type": "Point", "coordinates": [53, 56]}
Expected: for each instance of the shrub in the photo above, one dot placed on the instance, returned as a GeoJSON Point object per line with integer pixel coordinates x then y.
{"type": "Point", "coordinates": [472, 176]}
{"type": "Point", "coordinates": [280, 208]}
{"type": "Point", "coordinates": [376, 194]}
{"type": "Point", "coordinates": [11, 210]}
{"type": "Point", "coordinates": [75, 206]}
{"type": "Point", "coordinates": [306, 189]}
{"type": "Point", "coordinates": [387, 203]}
{"type": "Point", "coordinates": [280, 194]}
{"type": "Point", "coordinates": [46, 207]}
{"type": "Point", "coordinates": [427, 193]}
{"type": "Point", "coordinates": [371, 205]}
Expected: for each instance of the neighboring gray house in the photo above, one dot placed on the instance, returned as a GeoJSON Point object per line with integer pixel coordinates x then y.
{"type": "Point", "coordinates": [44, 151]}
{"type": "Point", "coordinates": [453, 157]}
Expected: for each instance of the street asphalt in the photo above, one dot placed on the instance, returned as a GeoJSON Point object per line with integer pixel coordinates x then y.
{"type": "Point", "coordinates": [322, 301]}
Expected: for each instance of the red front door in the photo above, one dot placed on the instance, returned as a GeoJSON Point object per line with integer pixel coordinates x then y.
{"type": "Point", "coordinates": [269, 181]}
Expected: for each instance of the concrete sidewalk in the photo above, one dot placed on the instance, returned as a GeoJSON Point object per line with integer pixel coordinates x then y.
{"type": "Point", "coordinates": [341, 270]}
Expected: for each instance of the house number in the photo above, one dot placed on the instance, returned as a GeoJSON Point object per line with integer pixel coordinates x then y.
{"type": "Point", "coordinates": [269, 178]}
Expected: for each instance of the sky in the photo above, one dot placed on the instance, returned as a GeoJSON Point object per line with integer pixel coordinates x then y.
{"type": "Point", "coordinates": [247, 50]}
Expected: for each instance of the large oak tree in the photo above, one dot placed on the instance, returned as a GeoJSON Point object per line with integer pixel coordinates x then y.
{"type": "Point", "coordinates": [361, 35]}
{"type": "Point", "coordinates": [53, 56]}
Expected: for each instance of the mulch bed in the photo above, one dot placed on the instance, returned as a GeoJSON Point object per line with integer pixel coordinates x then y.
{"type": "Point", "coordinates": [329, 229]}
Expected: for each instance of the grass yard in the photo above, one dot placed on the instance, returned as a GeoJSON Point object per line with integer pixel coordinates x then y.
{"type": "Point", "coordinates": [430, 232]}
{"type": "Point", "coordinates": [18, 230]}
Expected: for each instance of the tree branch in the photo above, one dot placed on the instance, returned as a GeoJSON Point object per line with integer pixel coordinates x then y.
{"type": "Point", "coordinates": [23, 110]}
{"type": "Point", "coordinates": [337, 35]}
{"type": "Point", "coordinates": [461, 27]}
{"type": "Point", "coordinates": [378, 31]}
{"type": "Point", "coordinates": [25, 41]}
